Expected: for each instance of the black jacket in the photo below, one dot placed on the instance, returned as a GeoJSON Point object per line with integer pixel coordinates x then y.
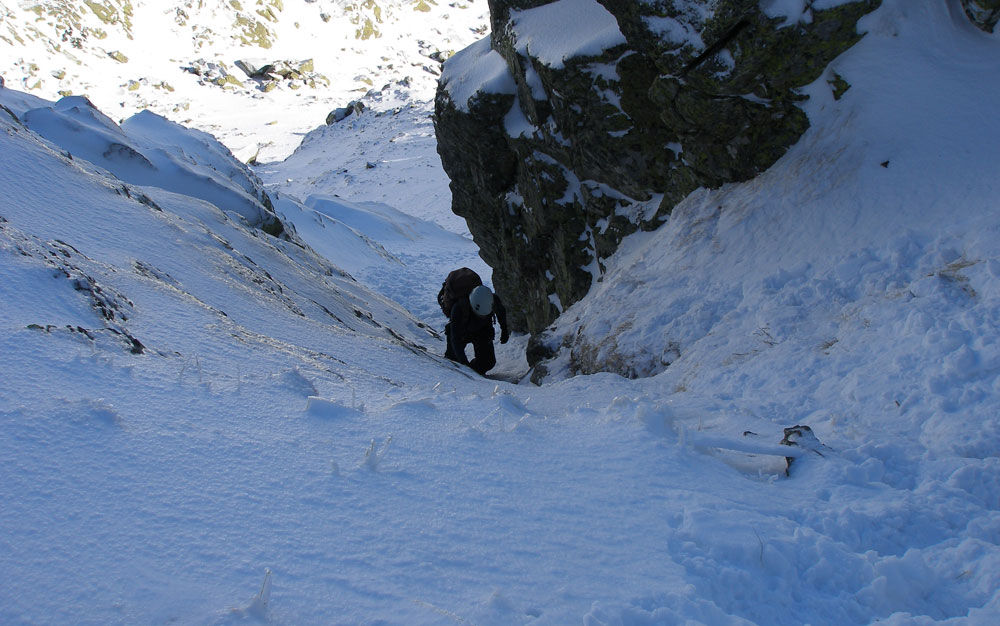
{"type": "Point", "coordinates": [467, 327]}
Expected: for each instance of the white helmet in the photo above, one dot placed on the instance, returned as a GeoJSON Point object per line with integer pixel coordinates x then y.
{"type": "Point", "coordinates": [481, 300]}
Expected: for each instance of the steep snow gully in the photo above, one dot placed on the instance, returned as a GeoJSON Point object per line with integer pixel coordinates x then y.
{"type": "Point", "coordinates": [204, 424]}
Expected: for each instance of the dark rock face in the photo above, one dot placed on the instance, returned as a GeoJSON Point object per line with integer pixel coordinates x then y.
{"type": "Point", "coordinates": [984, 13]}
{"type": "Point", "coordinates": [553, 172]}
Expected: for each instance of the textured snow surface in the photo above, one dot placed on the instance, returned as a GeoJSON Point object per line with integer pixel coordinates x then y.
{"type": "Point", "coordinates": [284, 445]}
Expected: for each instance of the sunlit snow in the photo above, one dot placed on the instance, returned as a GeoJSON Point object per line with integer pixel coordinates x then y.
{"type": "Point", "coordinates": [204, 424]}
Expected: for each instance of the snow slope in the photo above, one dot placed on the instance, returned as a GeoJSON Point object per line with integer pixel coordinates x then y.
{"type": "Point", "coordinates": [378, 174]}
{"type": "Point", "coordinates": [202, 424]}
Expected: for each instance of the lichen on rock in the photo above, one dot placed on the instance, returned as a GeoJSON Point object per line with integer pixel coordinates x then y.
{"type": "Point", "coordinates": [252, 32]}
{"type": "Point", "coordinates": [366, 15]}
{"type": "Point", "coordinates": [75, 23]}
{"type": "Point", "coordinates": [113, 12]}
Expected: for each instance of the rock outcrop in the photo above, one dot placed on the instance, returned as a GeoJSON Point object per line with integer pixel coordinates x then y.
{"type": "Point", "coordinates": [984, 13]}
{"type": "Point", "coordinates": [579, 122]}
{"type": "Point", "coordinates": [269, 74]}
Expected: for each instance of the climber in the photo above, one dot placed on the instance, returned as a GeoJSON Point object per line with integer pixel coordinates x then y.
{"type": "Point", "coordinates": [471, 308]}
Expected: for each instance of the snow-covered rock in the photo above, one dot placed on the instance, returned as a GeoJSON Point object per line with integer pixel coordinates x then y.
{"type": "Point", "coordinates": [612, 114]}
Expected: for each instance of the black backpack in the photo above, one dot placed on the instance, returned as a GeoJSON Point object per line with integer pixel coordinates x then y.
{"type": "Point", "coordinates": [459, 284]}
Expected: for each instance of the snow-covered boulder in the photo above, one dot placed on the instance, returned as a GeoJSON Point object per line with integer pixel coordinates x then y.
{"type": "Point", "coordinates": [355, 107]}
{"type": "Point", "coordinates": [581, 121]}
{"type": "Point", "coordinates": [213, 73]}
{"type": "Point", "coordinates": [269, 74]}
